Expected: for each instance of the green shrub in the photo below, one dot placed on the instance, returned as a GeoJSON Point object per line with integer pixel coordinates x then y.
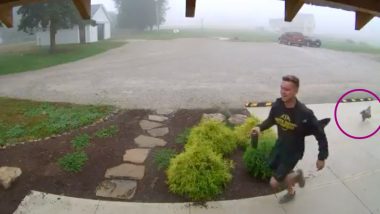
{"type": "Point", "coordinates": [162, 158]}
{"type": "Point", "coordinates": [215, 134]}
{"type": "Point", "coordinates": [243, 131]}
{"type": "Point", "coordinates": [107, 132]}
{"type": "Point", "coordinates": [256, 159]}
{"type": "Point", "coordinates": [73, 162]}
{"type": "Point", "coordinates": [183, 137]}
{"type": "Point", "coordinates": [81, 141]}
{"type": "Point", "coordinates": [198, 174]}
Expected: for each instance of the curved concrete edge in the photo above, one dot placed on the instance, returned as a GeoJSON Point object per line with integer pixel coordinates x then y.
{"type": "Point", "coordinates": [348, 184]}
{"type": "Point", "coordinates": [41, 203]}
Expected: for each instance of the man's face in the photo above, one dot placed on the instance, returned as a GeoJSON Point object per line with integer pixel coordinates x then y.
{"type": "Point", "coordinates": [288, 91]}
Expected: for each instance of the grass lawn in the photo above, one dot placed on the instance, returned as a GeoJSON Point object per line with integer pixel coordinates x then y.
{"type": "Point", "coordinates": [22, 120]}
{"type": "Point", "coordinates": [31, 57]}
{"type": "Point", "coordinates": [349, 46]}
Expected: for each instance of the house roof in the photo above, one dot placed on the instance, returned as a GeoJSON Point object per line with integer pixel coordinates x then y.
{"type": "Point", "coordinates": [96, 7]}
{"type": "Point", "coordinates": [365, 10]}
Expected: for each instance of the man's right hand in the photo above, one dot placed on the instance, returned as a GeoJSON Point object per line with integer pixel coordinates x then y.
{"type": "Point", "coordinates": [256, 130]}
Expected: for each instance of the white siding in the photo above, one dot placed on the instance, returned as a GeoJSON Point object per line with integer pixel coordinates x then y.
{"type": "Point", "coordinates": [107, 30]}
{"type": "Point", "coordinates": [101, 18]}
{"type": "Point", "coordinates": [91, 33]}
{"type": "Point", "coordinates": [71, 36]}
{"type": "Point", "coordinates": [64, 36]}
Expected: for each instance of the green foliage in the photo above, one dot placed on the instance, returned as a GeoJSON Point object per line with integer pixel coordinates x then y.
{"type": "Point", "coordinates": [198, 174]}
{"type": "Point", "coordinates": [15, 131]}
{"type": "Point", "coordinates": [61, 119]}
{"type": "Point", "coordinates": [40, 57]}
{"type": "Point", "coordinates": [22, 120]}
{"type": "Point", "coordinates": [73, 162]}
{"type": "Point", "coordinates": [162, 158]}
{"type": "Point", "coordinates": [107, 132]}
{"type": "Point", "coordinates": [214, 134]}
{"type": "Point", "coordinates": [243, 131]}
{"type": "Point", "coordinates": [140, 14]}
{"type": "Point", "coordinates": [81, 141]}
{"type": "Point", "coordinates": [256, 159]}
{"type": "Point", "coordinates": [183, 137]}
{"type": "Point", "coordinates": [52, 14]}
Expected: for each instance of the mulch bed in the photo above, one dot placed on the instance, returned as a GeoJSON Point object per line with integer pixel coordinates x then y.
{"type": "Point", "coordinates": [40, 172]}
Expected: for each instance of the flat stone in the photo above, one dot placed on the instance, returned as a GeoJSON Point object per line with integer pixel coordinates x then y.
{"type": "Point", "coordinates": [164, 111]}
{"type": "Point", "coordinates": [119, 189]}
{"type": "Point", "coordinates": [158, 132]}
{"type": "Point", "coordinates": [149, 142]}
{"type": "Point", "coordinates": [146, 124]}
{"type": "Point", "coordinates": [157, 118]}
{"type": "Point", "coordinates": [8, 175]}
{"type": "Point", "coordinates": [136, 155]}
{"type": "Point", "coordinates": [217, 116]}
{"type": "Point", "coordinates": [126, 170]}
{"type": "Point", "coordinates": [237, 119]}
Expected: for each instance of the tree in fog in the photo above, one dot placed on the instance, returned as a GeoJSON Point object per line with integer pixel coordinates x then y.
{"type": "Point", "coordinates": [141, 14]}
{"type": "Point", "coordinates": [51, 15]}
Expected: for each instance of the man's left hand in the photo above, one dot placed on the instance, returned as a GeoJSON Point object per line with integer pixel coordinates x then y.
{"type": "Point", "coordinates": [320, 164]}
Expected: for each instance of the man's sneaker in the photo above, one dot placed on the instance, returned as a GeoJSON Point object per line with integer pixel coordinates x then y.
{"type": "Point", "coordinates": [286, 198]}
{"type": "Point", "coordinates": [300, 178]}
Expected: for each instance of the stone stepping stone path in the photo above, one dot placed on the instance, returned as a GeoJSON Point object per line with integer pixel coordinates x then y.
{"type": "Point", "coordinates": [8, 175]}
{"type": "Point", "coordinates": [237, 119]}
{"type": "Point", "coordinates": [157, 118]}
{"type": "Point", "coordinates": [137, 156]}
{"type": "Point", "coordinates": [120, 189]}
{"type": "Point", "coordinates": [149, 142]}
{"type": "Point", "coordinates": [146, 124]}
{"type": "Point", "coordinates": [158, 132]}
{"type": "Point", "coordinates": [121, 180]}
{"type": "Point", "coordinates": [126, 170]}
{"type": "Point", "coordinates": [164, 111]}
{"type": "Point", "coordinates": [217, 116]}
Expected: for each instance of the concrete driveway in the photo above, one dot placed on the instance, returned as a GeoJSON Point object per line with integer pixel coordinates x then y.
{"type": "Point", "coordinates": [196, 73]}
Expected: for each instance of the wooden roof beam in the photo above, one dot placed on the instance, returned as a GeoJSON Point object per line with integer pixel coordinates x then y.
{"type": "Point", "coordinates": [291, 9]}
{"type": "Point", "coordinates": [6, 15]}
{"type": "Point", "coordinates": [190, 8]}
{"type": "Point", "coordinates": [362, 19]}
{"type": "Point", "coordinates": [84, 8]}
{"type": "Point", "coordinates": [367, 6]}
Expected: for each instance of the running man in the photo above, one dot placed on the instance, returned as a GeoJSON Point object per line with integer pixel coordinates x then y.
{"type": "Point", "coordinates": [294, 121]}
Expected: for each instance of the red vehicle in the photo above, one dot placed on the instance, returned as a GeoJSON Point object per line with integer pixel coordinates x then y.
{"type": "Point", "coordinates": [292, 38]}
{"type": "Point", "coordinates": [298, 39]}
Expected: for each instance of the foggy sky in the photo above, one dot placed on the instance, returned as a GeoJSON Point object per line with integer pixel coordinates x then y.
{"type": "Point", "coordinates": [249, 14]}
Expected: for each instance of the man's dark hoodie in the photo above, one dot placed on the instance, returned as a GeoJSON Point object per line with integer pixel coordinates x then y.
{"type": "Point", "coordinates": [293, 124]}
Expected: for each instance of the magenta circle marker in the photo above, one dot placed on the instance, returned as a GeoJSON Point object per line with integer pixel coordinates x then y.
{"type": "Point", "coordinates": [336, 118]}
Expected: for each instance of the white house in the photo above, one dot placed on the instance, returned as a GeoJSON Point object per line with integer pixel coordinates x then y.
{"type": "Point", "coordinates": [303, 23]}
{"type": "Point", "coordinates": [91, 33]}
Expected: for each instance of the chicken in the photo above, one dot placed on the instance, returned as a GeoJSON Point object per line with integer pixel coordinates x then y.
{"type": "Point", "coordinates": [366, 114]}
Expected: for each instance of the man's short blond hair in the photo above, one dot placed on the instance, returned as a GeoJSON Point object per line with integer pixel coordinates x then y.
{"type": "Point", "coordinates": [293, 79]}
